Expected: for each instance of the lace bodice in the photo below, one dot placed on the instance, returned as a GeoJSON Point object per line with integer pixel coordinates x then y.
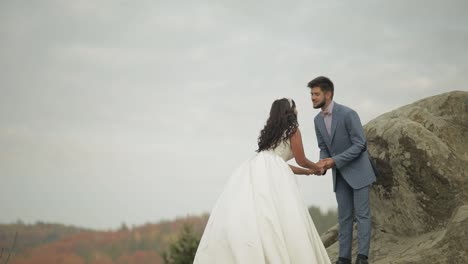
{"type": "Point", "coordinates": [284, 150]}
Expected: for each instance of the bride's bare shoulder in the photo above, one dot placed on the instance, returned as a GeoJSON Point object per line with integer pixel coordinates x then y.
{"type": "Point", "coordinates": [295, 133]}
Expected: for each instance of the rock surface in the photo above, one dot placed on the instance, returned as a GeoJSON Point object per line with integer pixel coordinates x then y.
{"type": "Point", "coordinates": [419, 203]}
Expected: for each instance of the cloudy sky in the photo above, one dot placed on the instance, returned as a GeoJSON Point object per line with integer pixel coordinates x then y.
{"type": "Point", "coordinates": [137, 111]}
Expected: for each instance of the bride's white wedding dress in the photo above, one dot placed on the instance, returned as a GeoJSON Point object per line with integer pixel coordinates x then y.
{"type": "Point", "coordinates": [261, 217]}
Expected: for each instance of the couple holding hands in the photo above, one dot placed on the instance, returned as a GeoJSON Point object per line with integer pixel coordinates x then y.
{"type": "Point", "coordinates": [261, 217]}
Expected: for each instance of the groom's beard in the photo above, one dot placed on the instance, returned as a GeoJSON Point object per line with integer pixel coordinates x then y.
{"type": "Point", "coordinates": [320, 105]}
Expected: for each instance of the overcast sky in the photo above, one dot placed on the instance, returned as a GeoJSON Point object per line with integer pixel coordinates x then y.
{"type": "Point", "coordinates": [137, 111]}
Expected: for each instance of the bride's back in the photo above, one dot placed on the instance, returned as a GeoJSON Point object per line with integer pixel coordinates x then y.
{"type": "Point", "coordinates": [284, 150]}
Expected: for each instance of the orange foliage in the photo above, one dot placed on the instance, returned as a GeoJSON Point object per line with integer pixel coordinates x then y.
{"type": "Point", "coordinates": [139, 245]}
{"type": "Point", "coordinates": [140, 257]}
{"type": "Point", "coordinates": [47, 258]}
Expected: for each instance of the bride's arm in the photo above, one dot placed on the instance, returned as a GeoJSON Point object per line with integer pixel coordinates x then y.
{"type": "Point", "coordinates": [301, 171]}
{"type": "Point", "coordinates": [298, 151]}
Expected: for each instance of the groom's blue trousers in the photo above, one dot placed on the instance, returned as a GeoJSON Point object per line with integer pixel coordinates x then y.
{"type": "Point", "coordinates": [349, 199]}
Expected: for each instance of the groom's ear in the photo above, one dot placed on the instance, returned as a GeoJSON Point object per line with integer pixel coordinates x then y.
{"type": "Point", "coordinates": [329, 95]}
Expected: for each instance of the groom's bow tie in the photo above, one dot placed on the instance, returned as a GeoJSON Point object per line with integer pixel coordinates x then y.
{"type": "Point", "coordinates": [325, 113]}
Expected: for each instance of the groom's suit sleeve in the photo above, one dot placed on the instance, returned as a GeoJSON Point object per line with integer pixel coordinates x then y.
{"type": "Point", "coordinates": [358, 140]}
{"type": "Point", "coordinates": [324, 153]}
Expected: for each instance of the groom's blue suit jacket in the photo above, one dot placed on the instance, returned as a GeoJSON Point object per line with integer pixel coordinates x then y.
{"type": "Point", "coordinates": [346, 145]}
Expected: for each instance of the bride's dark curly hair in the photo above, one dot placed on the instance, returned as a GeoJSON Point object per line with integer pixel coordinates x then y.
{"type": "Point", "coordinates": [281, 124]}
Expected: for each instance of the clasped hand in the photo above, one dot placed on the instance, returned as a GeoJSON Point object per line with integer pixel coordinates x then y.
{"type": "Point", "coordinates": [322, 166]}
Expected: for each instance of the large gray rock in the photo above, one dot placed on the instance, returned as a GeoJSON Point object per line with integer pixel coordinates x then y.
{"type": "Point", "coordinates": [420, 200]}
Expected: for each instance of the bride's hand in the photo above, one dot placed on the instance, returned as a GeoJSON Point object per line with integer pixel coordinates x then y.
{"type": "Point", "coordinates": [321, 168]}
{"type": "Point", "coordinates": [320, 172]}
{"type": "Point", "coordinates": [317, 172]}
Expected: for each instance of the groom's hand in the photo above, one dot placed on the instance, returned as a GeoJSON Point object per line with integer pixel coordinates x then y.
{"type": "Point", "coordinates": [328, 163]}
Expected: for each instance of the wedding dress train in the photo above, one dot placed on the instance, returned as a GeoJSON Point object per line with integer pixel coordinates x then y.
{"type": "Point", "coordinates": [261, 217]}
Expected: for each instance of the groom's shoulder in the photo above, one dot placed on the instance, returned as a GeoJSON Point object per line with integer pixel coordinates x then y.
{"type": "Point", "coordinates": [317, 116]}
{"type": "Point", "coordinates": [344, 109]}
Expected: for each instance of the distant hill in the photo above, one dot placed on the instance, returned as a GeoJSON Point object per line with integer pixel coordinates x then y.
{"type": "Point", "coordinates": [30, 236]}
{"type": "Point", "coordinates": [43, 243]}
{"type": "Point", "coordinates": [54, 243]}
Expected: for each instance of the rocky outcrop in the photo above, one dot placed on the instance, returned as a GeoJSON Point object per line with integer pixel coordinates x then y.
{"type": "Point", "coordinates": [420, 200]}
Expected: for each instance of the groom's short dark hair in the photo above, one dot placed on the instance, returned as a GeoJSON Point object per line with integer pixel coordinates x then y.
{"type": "Point", "coordinates": [324, 83]}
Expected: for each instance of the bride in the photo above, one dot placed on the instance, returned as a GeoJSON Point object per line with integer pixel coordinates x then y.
{"type": "Point", "coordinates": [261, 216]}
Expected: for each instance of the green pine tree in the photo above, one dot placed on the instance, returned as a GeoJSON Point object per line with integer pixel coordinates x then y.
{"type": "Point", "coordinates": [183, 250]}
{"type": "Point", "coordinates": [323, 221]}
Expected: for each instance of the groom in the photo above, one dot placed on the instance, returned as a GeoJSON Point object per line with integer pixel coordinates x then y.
{"type": "Point", "coordinates": [342, 146]}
